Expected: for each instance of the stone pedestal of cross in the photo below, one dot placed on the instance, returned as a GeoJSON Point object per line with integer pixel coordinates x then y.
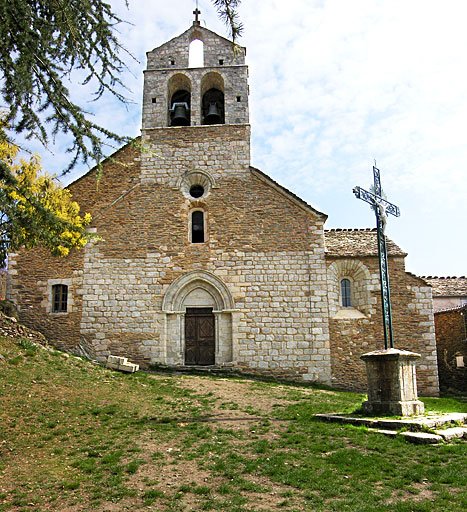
{"type": "Point", "coordinates": [391, 376]}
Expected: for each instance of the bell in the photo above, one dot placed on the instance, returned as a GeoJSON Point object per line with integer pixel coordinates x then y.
{"type": "Point", "coordinates": [180, 116]}
{"type": "Point", "coordinates": [213, 116]}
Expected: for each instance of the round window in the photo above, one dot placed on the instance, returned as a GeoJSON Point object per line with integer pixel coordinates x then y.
{"type": "Point", "coordinates": [196, 191]}
{"type": "Point", "coordinates": [195, 185]}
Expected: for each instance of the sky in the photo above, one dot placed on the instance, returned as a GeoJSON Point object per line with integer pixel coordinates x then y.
{"type": "Point", "coordinates": [334, 86]}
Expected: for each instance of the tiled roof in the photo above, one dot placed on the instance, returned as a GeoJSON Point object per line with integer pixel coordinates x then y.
{"type": "Point", "coordinates": [357, 242]}
{"type": "Point", "coordinates": [447, 286]}
{"type": "Point", "coordinates": [452, 308]}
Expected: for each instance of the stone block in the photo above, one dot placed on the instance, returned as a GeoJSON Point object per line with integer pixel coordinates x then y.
{"type": "Point", "coordinates": [121, 363]}
{"type": "Point", "coordinates": [452, 433]}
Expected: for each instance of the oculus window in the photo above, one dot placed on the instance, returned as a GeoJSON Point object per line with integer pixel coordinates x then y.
{"type": "Point", "coordinates": [196, 191]}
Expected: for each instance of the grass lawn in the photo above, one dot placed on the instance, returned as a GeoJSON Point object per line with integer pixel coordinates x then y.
{"type": "Point", "coordinates": [77, 437]}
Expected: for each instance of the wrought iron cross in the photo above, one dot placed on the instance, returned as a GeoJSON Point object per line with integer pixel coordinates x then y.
{"type": "Point", "coordinates": [382, 208]}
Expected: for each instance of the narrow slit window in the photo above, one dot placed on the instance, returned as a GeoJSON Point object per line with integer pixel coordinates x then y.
{"type": "Point", "coordinates": [197, 227]}
{"type": "Point", "coordinates": [59, 298]}
{"type": "Point", "coordinates": [345, 292]}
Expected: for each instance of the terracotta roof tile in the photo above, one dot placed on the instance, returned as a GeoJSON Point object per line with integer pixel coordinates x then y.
{"type": "Point", "coordinates": [462, 307]}
{"type": "Point", "coordinates": [447, 286]}
{"type": "Point", "coordinates": [357, 242]}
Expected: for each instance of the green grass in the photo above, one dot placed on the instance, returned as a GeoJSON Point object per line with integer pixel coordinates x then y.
{"type": "Point", "coordinates": [75, 435]}
{"type": "Point", "coordinates": [445, 404]}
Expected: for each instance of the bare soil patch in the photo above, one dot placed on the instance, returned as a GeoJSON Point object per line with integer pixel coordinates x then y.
{"type": "Point", "coordinates": [241, 393]}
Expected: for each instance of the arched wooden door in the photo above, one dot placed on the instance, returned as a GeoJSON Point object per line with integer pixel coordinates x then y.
{"type": "Point", "coordinates": [199, 336]}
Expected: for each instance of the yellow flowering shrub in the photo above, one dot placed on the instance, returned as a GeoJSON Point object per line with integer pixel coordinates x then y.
{"type": "Point", "coordinates": [34, 208]}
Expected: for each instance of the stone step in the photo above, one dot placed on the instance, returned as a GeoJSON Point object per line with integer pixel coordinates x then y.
{"type": "Point", "coordinates": [411, 437]}
{"type": "Point", "coordinates": [417, 423]}
{"type": "Point", "coordinates": [421, 437]}
{"type": "Point", "coordinates": [389, 433]}
{"type": "Point", "coordinates": [453, 433]}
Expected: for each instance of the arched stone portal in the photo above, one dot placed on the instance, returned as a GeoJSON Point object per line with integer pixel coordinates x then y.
{"type": "Point", "coordinates": [203, 291]}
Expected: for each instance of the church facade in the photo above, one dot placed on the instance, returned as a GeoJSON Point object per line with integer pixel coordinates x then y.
{"type": "Point", "coordinates": [204, 260]}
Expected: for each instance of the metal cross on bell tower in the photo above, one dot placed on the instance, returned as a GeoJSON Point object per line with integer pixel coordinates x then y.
{"type": "Point", "coordinates": [197, 12]}
{"type": "Point", "coordinates": [381, 208]}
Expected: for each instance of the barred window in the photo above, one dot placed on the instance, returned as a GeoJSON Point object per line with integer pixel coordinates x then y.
{"type": "Point", "coordinates": [59, 298]}
{"type": "Point", "coordinates": [345, 292]}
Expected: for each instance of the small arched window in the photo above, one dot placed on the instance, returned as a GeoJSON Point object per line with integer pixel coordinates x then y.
{"type": "Point", "coordinates": [196, 54]}
{"type": "Point", "coordinates": [197, 227]}
{"type": "Point", "coordinates": [345, 293]}
{"type": "Point", "coordinates": [59, 298]}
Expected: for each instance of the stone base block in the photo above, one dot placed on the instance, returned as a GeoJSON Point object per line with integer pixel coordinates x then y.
{"type": "Point", "coordinates": [392, 383]}
{"type": "Point", "coordinates": [398, 408]}
{"type": "Point", "coordinates": [122, 364]}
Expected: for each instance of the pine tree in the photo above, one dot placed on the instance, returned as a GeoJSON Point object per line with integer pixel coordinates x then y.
{"type": "Point", "coordinates": [42, 42]}
{"type": "Point", "coordinates": [227, 11]}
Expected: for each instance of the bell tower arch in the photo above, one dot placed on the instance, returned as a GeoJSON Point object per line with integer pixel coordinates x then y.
{"type": "Point", "coordinates": [179, 100]}
{"type": "Point", "coordinates": [217, 83]}
{"type": "Point", "coordinates": [212, 98]}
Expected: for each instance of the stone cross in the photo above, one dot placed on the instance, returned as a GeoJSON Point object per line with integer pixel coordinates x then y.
{"type": "Point", "coordinates": [196, 12]}
{"type": "Point", "coordinates": [381, 208]}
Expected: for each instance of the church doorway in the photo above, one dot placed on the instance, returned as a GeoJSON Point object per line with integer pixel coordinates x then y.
{"type": "Point", "coordinates": [199, 337]}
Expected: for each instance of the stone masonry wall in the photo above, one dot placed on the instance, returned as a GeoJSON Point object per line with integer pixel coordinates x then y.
{"type": "Point", "coordinates": [451, 339]}
{"type": "Point", "coordinates": [32, 273]}
{"type": "Point", "coordinates": [31, 276]}
{"type": "Point", "coordinates": [156, 94]}
{"type": "Point", "coordinates": [222, 151]}
{"type": "Point", "coordinates": [215, 47]}
{"type": "Point", "coordinates": [412, 315]}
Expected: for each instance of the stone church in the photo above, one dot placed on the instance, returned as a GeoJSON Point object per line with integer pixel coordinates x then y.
{"type": "Point", "coordinates": [206, 261]}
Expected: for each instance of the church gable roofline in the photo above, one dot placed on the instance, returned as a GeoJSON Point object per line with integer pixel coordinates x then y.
{"type": "Point", "coordinates": [286, 192]}
{"type": "Point", "coordinates": [108, 159]}
{"type": "Point", "coordinates": [196, 28]}
{"type": "Point", "coordinates": [174, 53]}
{"type": "Point", "coordinates": [420, 279]}
{"type": "Point", "coordinates": [341, 243]}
